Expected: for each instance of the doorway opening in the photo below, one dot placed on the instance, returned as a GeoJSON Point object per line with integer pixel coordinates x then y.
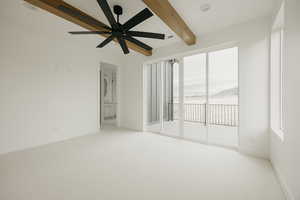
{"type": "Point", "coordinates": [109, 95]}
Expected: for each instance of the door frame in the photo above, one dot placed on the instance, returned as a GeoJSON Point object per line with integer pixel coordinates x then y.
{"type": "Point", "coordinates": [180, 57]}
{"type": "Point", "coordinates": [100, 92]}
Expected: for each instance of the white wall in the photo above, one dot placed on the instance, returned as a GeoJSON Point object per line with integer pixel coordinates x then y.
{"type": "Point", "coordinates": [285, 154]}
{"type": "Point", "coordinates": [131, 89]}
{"type": "Point", "coordinates": [48, 79]}
{"type": "Point", "coordinates": [252, 39]}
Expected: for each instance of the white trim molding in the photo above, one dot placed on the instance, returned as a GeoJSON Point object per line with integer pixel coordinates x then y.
{"type": "Point", "coordinates": [284, 186]}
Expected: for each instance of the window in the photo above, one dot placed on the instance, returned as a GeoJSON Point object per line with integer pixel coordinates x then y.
{"type": "Point", "coordinates": [277, 65]}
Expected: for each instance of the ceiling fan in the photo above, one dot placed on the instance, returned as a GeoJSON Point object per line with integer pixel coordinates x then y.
{"type": "Point", "coordinates": [123, 32]}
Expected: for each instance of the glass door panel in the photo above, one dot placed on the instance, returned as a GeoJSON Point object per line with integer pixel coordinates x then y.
{"type": "Point", "coordinates": [223, 105]}
{"type": "Point", "coordinates": [171, 115]}
{"type": "Point", "coordinates": [153, 100]}
{"type": "Point", "coordinates": [195, 97]}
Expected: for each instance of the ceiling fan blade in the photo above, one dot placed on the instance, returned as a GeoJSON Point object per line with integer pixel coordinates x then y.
{"type": "Point", "coordinates": [109, 15]}
{"type": "Point", "coordinates": [137, 42]}
{"type": "Point", "coordinates": [146, 35]}
{"type": "Point", "coordinates": [88, 32]}
{"type": "Point", "coordinates": [123, 45]}
{"type": "Point", "coordinates": [85, 18]}
{"type": "Point", "coordinates": [106, 41]}
{"type": "Point", "coordinates": [137, 19]}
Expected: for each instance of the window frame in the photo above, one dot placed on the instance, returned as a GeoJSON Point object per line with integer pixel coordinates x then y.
{"type": "Point", "coordinates": [276, 75]}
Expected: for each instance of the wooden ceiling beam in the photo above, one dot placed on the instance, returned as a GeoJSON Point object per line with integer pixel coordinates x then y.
{"type": "Point", "coordinates": [59, 7]}
{"type": "Point", "coordinates": [165, 11]}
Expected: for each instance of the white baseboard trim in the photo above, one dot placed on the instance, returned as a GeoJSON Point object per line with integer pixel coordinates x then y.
{"type": "Point", "coordinates": [49, 142]}
{"type": "Point", "coordinates": [287, 192]}
{"type": "Point", "coordinates": [253, 153]}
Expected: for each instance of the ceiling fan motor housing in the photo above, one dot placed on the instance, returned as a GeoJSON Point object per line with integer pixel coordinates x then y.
{"type": "Point", "coordinates": [121, 32]}
{"type": "Point", "coordinates": [118, 10]}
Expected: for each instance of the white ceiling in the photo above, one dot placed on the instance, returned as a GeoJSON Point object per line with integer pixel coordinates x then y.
{"type": "Point", "coordinates": [223, 13]}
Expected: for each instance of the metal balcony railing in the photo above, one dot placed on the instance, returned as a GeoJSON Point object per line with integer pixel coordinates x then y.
{"type": "Point", "coordinates": [208, 114]}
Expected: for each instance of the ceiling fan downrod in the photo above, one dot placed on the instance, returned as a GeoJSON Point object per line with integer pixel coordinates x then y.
{"type": "Point", "coordinates": [118, 10]}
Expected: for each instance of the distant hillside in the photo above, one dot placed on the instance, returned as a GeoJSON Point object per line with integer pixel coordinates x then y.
{"type": "Point", "coordinates": [195, 92]}
{"type": "Point", "coordinates": [228, 92]}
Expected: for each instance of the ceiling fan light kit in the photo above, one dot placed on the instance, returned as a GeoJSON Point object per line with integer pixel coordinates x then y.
{"type": "Point", "coordinates": [122, 32]}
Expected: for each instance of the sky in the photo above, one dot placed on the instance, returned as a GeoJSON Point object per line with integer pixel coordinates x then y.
{"type": "Point", "coordinates": [223, 72]}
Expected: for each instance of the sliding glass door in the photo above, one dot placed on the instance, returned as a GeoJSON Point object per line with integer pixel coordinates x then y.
{"type": "Point", "coordinates": [195, 97]}
{"type": "Point", "coordinates": [171, 101]}
{"type": "Point", "coordinates": [153, 88]}
{"type": "Point", "coordinates": [223, 106]}
{"type": "Point", "coordinates": [162, 102]}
